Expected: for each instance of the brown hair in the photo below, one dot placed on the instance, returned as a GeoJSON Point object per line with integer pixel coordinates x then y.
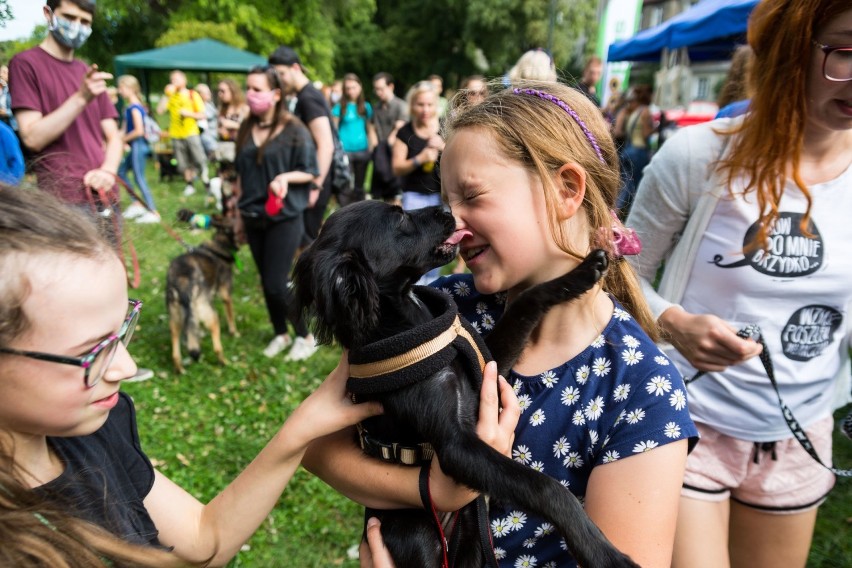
{"type": "Point", "coordinates": [542, 137]}
{"type": "Point", "coordinates": [85, 5]}
{"type": "Point", "coordinates": [35, 533]}
{"type": "Point", "coordinates": [33, 223]}
{"type": "Point", "coordinates": [735, 87]}
{"type": "Point", "coordinates": [282, 116]}
{"type": "Point", "coordinates": [360, 102]}
{"type": "Point", "coordinates": [238, 99]}
{"type": "Point", "coordinates": [781, 35]}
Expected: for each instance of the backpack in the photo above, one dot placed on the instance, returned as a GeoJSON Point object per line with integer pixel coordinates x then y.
{"type": "Point", "coordinates": [342, 180]}
{"type": "Point", "coordinates": [153, 131]}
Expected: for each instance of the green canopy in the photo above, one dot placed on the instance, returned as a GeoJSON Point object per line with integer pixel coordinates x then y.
{"type": "Point", "coordinates": [199, 55]}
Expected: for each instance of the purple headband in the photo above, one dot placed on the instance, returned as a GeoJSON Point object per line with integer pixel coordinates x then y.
{"type": "Point", "coordinates": [571, 112]}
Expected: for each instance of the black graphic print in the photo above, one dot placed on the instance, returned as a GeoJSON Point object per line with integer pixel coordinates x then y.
{"type": "Point", "coordinates": [809, 331]}
{"type": "Point", "coordinates": [788, 251]}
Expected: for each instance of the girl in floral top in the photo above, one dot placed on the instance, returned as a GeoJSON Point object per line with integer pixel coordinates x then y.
{"type": "Point", "coordinates": [531, 175]}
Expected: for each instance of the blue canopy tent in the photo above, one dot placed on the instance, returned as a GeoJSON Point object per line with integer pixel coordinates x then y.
{"type": "Point", "coordinates": [709, 30]}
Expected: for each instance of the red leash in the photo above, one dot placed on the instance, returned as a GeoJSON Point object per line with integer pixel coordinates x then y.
{"type": "Point", "coordinates": [109, 200]}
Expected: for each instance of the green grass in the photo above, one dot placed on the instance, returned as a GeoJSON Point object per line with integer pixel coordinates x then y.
{"type": "Point", "coordinates": [200, 429]}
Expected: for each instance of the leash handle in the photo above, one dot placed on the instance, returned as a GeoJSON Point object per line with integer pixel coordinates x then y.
{"type": "Point", "coordinates": [752, 331]}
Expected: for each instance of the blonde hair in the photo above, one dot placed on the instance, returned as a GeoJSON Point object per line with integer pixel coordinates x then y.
{"type": "Point", "coordinates": [541, 136]}
{"type": "Point", "coordinates": [131, 83]}
{"type": "Point", "coordinates": [534, 65]}
{"type": "Point", "coordinates": [417, 89]}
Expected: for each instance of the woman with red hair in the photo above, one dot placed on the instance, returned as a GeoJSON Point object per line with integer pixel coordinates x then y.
{"type": "Point", "coordinates": [751, 217]}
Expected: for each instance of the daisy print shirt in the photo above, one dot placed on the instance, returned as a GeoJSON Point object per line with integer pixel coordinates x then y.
{"type": "Point", "coordinates": [619, 397]}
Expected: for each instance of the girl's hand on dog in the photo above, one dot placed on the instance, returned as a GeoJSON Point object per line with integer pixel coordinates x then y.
{"type": "Point", "coordinates": [372, 552]}
{"type": "Point", "coordinates": [328, 409]}
{"type": "Point", "coordinates": [499, 412]}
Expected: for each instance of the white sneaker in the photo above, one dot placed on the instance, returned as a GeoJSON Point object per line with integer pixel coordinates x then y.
{"type": "Point", "coordinates": [189, 190]}
{"type": "Point", "coordinates": [134, 210]}
{"type": "Point", "coordinates": [277, 345]}
{"type": "Point", "coordinates": [303, 348]}
{"type": "Point", "coordinates": [148, 217]}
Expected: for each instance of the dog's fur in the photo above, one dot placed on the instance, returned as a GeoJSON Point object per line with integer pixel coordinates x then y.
{"type": "Point", "coordinates": [194, 279]}
{"type": "Point", "coordinates": [357, 278]}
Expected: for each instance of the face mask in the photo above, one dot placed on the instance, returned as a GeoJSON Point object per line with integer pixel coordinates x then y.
{"type": "Point", "coordinates": [70, 34]}
{"type": "Point", "coordinates": [335, 97]}
{"type": "Point", "coordinates": [260, 101]}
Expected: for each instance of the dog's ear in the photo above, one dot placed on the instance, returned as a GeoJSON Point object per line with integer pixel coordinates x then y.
{"type": "Point", "coordinates": [185, 215]}
{"type": "Point", "coordinates": [344, 294]}
{"type": "Point", "coordinates": [218, 221]}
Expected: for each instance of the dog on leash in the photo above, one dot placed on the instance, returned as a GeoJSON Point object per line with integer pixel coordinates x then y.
{"type": "Point", "coordinates": [357, 280]}
{"type": "Point", "coordinates": [193, 281]}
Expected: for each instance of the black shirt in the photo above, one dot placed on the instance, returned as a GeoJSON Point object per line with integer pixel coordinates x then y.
{"type": "Point", "coordinates": [419, 180]}
{"type": "Point", "coordinates": [106, 477]}
{"type": "Point", "coordinates": [310, 104]}
{"type": "Point", "coordinates": [292, 150]}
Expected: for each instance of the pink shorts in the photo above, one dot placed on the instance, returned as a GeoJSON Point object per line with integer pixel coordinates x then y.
{"type": "Point", "coordinates": [783, 479]}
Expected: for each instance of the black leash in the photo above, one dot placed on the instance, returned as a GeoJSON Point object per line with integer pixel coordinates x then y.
{"type": "Point", "coordinates": [752, 331]}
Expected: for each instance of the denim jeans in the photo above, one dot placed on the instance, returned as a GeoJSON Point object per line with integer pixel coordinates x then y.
{"type": "Point", "coordinates": [135, 160]}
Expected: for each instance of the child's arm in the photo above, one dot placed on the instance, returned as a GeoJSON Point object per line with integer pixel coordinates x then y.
{"type": "Point", "coordinates": [373, 483]}
{"type": "Point", "coordinates": [634, 501]}
{"type": "Point", "coordinates": [196, 531]}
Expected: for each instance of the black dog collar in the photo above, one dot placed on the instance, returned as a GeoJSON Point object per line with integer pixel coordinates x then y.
{"type": "Point", "coordinates": [403, 359]}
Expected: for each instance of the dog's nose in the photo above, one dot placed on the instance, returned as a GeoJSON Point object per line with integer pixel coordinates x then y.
{"type": "Point", "coordinates": [445, 208]}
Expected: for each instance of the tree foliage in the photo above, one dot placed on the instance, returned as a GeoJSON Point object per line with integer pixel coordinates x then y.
{"type": "Point", "coordinates": [409, 38]}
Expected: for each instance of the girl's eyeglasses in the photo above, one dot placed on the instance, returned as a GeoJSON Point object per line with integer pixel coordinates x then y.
{"type": "Point", "coordinates": [837, 64]}
{"type": "Point", "coordinates": [97, 361]}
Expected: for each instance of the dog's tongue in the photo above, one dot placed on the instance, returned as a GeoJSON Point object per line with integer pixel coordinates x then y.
{"type": "Point", "coordinates": [456, 237]}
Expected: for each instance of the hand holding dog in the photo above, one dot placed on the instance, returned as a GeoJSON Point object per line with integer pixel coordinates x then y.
{"type": "Point", "coordinates": [708, 342]}
{"type": "Point", "coordinates": [328, 409]}
{"type": "Point", "coordinates": [372, 552]}
{"type": "Point", "coordinates": [496, 427]}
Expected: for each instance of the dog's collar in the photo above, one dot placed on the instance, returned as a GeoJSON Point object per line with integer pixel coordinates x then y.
{"type": "Point", "coordinates": [417, 354]}
{"type": "Point", "coordinates": [403, 359]}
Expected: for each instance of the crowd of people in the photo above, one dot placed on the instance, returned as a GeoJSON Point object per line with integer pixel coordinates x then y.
{"type": "Point", "coordinates": [537, 175]}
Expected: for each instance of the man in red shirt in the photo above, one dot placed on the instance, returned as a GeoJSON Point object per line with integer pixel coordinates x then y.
{"type": "Point", "coordinates": [64, 115]}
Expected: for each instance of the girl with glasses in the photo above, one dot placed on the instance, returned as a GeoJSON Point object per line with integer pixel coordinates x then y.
{"type": "Point", "coordinates": [68, 438]}
{"type": "Point", "coordinates": [750, 215]}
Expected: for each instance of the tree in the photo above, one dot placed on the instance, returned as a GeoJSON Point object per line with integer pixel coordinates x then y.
{"type": "Point", "coordinates": [5, 13]}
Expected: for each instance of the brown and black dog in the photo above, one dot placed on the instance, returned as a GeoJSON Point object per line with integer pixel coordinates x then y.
{"type": "Point", "coordinates": [194, 279]}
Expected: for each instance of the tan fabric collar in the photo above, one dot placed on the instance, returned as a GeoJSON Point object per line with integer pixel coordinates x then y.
{"type": "Point", "coordinates": [419, 353]}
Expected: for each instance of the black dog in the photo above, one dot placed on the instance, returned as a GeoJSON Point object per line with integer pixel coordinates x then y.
{"type": "Point", "coordinates": [357, 279]}
{"type": "Point", "coordinates": [193, 281]}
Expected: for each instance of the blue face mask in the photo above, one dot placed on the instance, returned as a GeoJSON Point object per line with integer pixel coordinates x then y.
{"type": "Point", "coordinates": [70, 34]}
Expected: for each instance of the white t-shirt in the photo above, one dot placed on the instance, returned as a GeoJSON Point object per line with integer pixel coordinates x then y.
{"type": "Point", "coordinates": [797, 291]}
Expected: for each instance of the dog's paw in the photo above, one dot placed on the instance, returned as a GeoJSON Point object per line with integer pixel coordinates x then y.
{"type": "Point", "coordinates": [592, 269]}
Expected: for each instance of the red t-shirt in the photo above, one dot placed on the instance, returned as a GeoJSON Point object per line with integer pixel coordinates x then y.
{"type": "Point", "coordinates": [38, 81]}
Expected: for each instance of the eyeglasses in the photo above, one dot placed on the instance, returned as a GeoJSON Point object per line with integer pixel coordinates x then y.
{"type": "Point", "coordinates": [837, 65]}
{"type": "Point", "coordinates": [97, 361]}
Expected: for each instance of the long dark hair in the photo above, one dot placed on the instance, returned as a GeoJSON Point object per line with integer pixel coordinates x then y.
{"type": "Point", "coordinates": [282, 116]}
{"type": "Point", "coordinates": [360, 102]}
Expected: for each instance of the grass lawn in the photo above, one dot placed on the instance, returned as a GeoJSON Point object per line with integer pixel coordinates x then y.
{"type": "Point", "coordinates": [200, 429]}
